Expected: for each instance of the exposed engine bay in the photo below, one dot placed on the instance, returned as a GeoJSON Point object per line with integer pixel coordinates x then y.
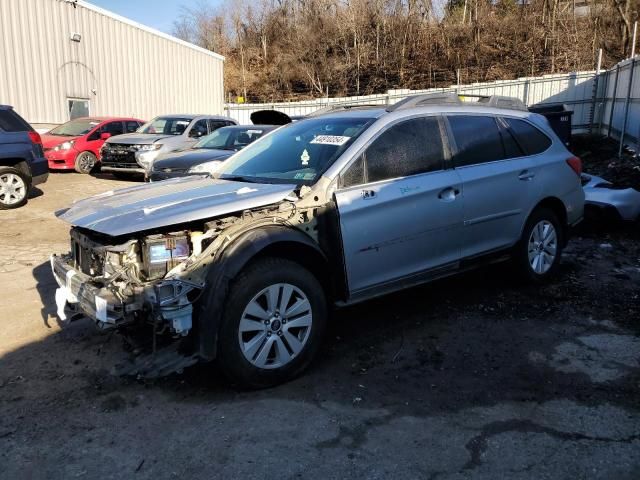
{"type": "Point", "coordinates": [151, 280]}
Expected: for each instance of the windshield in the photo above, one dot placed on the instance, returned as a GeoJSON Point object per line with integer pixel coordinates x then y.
{"type": "Point", "coordinates": [166, 126]}
{"type": "Point", "coordinates": [297, 153]}
{"type": "Point", "coordinates": [230, 138]}
{"type": "Point", "coordinates": [75, 128]}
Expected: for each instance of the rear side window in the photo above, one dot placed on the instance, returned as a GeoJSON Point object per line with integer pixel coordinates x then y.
{"type": "Point", "coordinates": [532, 140]}
{"type": "Point", "coordinates": [216, 124]}
{"type": "Point", "coordinates": [10, 121]}
{"type": "Point", "coordinates": [477, 138]}
{"type": "Point", "coordinates": [132, 126]}
{"type": "Point", "coordinates": [408, 148]}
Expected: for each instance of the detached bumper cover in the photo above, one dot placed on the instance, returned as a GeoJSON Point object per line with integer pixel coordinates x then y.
{"type": "Point", "coordinates": [603, 194]}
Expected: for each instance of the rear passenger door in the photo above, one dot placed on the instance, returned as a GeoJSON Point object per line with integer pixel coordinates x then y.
{"type": "Point", "coordinates": [497, 182]}
{"type": "Point", "coordinates": [400, 206]}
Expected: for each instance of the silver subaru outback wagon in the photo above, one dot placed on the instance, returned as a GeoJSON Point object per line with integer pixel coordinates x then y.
{"type": "Point", "coordinates": [243, 266]}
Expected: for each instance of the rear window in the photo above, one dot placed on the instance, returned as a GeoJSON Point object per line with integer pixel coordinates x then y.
{"type": "Point", "coordinates": [532, 140]}
{"type": "Point", "coordinates": [10, 121]}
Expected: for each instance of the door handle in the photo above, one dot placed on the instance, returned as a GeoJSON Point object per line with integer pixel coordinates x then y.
{"type": "Point", "coordinates": [449, 194]}
{"type": "Point", "coordinates": [367, 194]}
{"type": "Point", "coordinates": [526, 175]}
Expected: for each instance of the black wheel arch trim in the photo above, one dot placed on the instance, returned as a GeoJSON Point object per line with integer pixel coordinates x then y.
{"type": "Point", "coordinates": [228, 264]}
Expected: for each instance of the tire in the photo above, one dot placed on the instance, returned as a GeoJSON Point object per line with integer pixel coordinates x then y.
{"type": "Point", "coordinates": [14, 188]}
{"type": "Point", "coordinates": [537, 255]}
{"type": "Point", "coordinates": [270, 350]}
{"type": "Point", "coordinates": [85, 162]}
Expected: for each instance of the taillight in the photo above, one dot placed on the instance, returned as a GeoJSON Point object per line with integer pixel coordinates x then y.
{"type": "Point", "coordinates": [35, 138]}
{"type": "Point", "coordinates": [576, 165]}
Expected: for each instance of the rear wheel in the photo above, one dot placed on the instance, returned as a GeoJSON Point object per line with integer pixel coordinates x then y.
{"type": "Point", "coordinates": [85, 162]}
{"type": "Point", "coordinates": [14, 188]}
{"type": "Point", "coordinates": [274, 320]}
{"type": "Point", "coordinates": [537, 255]}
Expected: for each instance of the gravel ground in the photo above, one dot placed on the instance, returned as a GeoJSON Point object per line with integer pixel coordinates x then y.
{"type": "Point", "coordinates": [472, 377]}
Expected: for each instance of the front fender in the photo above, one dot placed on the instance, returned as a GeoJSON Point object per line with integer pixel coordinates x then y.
{"type": "Point", "coordinates": [226, 266]}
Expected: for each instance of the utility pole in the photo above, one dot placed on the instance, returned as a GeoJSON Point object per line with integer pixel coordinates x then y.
{"type": "Point", "coordinates": [633, 41]}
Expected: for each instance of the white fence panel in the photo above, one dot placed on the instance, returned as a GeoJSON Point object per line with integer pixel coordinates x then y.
{"type": "Point", "coordinates": [604, 114]}
{"type": "Point", "coordinates": [573, 89]}
{"type": "Point", "coordinates": [618, 105]}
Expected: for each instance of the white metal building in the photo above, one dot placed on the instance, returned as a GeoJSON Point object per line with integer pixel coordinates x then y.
{"type": "Point", "coordinates": [60, 59]}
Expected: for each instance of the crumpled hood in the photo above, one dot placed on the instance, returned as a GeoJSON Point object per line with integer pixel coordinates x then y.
{"type": "Point", "coordinates": [163, 204]}
{"type": "Point", "coordinates": [50, 141]}
{"type": "Point", "coordinates": [138, 138]}
{"type": "Point", "coordinates": [189, 158]}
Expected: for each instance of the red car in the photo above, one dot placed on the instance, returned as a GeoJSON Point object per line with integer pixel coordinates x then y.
{"type": "Point", "coordinates": [76, 144]}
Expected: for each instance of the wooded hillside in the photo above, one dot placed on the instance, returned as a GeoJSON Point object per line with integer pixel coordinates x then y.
{"type": "Point", "coordinates": [296, 49]}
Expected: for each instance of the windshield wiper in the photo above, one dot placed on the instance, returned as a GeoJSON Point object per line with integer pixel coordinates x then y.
{"type": "Point", "coordinates": [238, 178]}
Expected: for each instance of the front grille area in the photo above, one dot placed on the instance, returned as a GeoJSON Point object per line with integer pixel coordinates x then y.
{"type": "Point", "coordinates": [84, 256]}
{"type": "Point", "coordinates": [119, 156]}
{"type": "Point", "coordinates": [85, 260]}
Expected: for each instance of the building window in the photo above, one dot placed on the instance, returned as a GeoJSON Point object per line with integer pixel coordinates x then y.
{"type": "Point", "coordinates": [78, 107]}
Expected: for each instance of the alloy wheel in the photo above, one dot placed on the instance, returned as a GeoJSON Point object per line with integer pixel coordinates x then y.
{"type": "Point", "coordinates": [86, 162]}
{"type": "Point", "coordinates": [275, 326]}
{"type": "Point", "coordinates": [542, 247]}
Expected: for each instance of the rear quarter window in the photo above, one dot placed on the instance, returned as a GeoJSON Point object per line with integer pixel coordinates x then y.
{"type": "Point", "coordinates": [10, 121]}
{"type": "Point", "coordinates": [532, 140]}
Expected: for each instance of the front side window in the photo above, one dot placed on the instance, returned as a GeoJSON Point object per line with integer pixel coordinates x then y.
{"type": "Point", "coordinates": [298, 153]}
{"type": "Point", "coordinates": [75, 128]}
{"type": "Point", "coordinates": [408, 148]}
{"type": "Point", "coordinates": [477, 138]}
{"type": "Point", "coordinates": [166, 126]}
{"type": "Point", "coordinates": [532, 140]}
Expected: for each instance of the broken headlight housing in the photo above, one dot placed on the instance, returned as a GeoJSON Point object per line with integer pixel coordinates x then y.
{"type": "Point", "coordinates": [161, 253]}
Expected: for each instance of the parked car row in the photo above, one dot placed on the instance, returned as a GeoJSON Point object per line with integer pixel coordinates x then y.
{"type": "Point", "coordinates": [124, 146]}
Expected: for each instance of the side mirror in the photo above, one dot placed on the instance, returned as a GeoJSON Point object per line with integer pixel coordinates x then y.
{"type": "Point", "coordinates": [105, 136]}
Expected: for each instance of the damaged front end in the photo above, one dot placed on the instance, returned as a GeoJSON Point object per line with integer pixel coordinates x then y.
{"type": "Point", "coordinates": [136, 271]}
{"type": "Point", "coordinates": [123, 284]}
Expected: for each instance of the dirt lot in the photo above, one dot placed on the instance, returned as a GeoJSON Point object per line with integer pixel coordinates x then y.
{"type": "Point", "coordinates": [472, 377]}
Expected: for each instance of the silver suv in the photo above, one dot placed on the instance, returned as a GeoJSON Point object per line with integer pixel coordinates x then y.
{"type": "Point", "coordinates": [135, 152]}
{"type": "Point", "coordinates": [331, 210]}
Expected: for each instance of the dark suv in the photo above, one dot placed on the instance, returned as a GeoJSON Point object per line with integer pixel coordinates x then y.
{"type": "Point", "coordinates": [22, 161]}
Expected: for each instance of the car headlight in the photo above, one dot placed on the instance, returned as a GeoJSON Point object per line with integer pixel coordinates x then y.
{"type": "Point", "coordinates": [163, 252]}
{"type": "Point", "coordinates": [64, 146]}
{"type": "Point", "coordinates": [149, 148]}
{"type": "Point", "coordinates": [207, 167]}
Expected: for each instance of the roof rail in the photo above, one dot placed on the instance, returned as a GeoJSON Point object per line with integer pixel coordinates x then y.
{"type": "Point", "coordinates": [342, 106]}
{"type": "Point", "coordinates": [500, 101]}
{"type": "Point", "coordinates": [421, 100]}
{"type": "Point", "coordinates": [453, 98]}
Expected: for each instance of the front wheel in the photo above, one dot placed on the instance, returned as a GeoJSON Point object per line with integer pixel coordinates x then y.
{"type": "Point", "coordinates": [537, 255]}
{"type": "Point", "coordinates": [273, 324]}
{"type": "Point", "coordinates": [85, 162]}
